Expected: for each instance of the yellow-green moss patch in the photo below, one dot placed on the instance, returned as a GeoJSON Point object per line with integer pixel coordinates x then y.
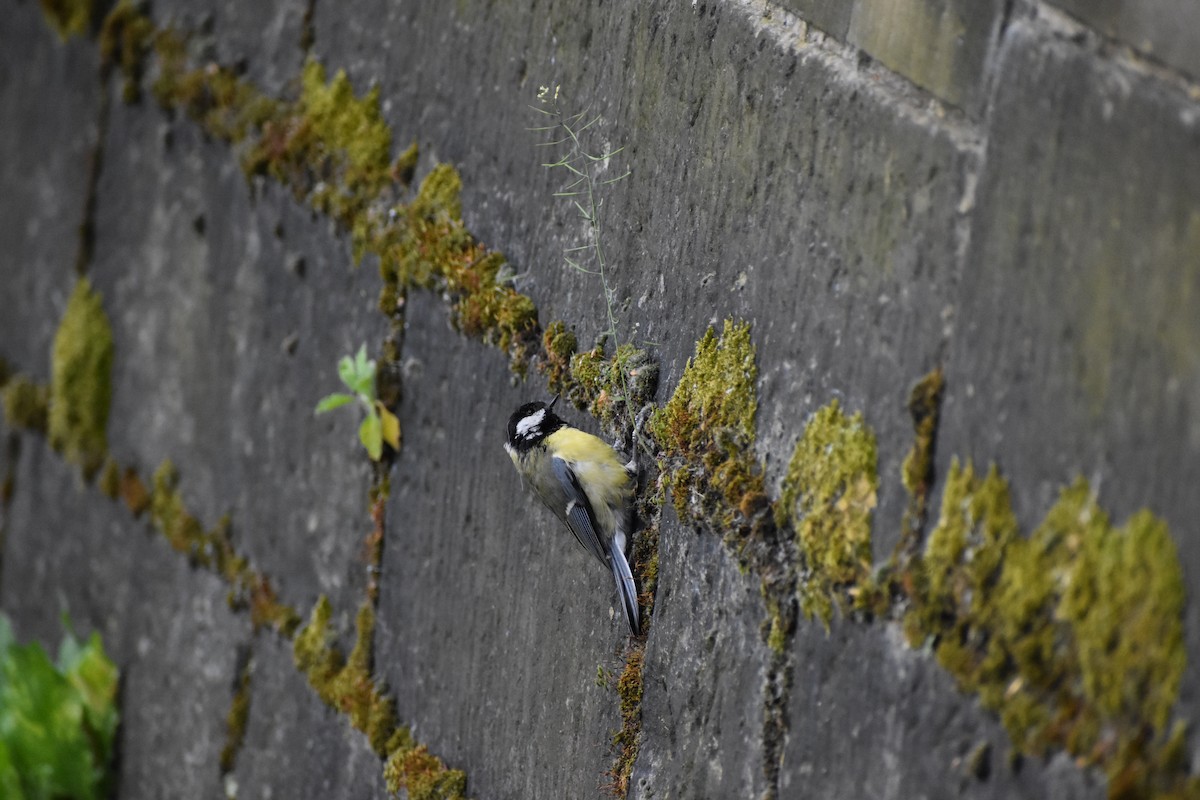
{"type": "Point", "coordinates": [212, 549]}
{"type": "Point", "coordinates": [426, 244]}
{"type": "Point", "coordinates": [26, 404]}
{"type": "Point", "coordinates": [706, 435]}
{"type": "Point", "coordinates": [558, 346]}
{"type": "Point", "coordinates": [627, 740]}
{"type": "Point", "coordinates": [828, 496]}
{"type": "Point", "coordinates": [81, 383]}
{"type": "Point", "coordinates": [614, 389]}
{"type": "Point", "coordinates": [68, 17]}
{"type": "Point", "coordinates": [916, 473]}
{"type": "Point", "coordinates": [1073, 635]}
{"type": "Point", "coordinates": [236, 719]}
{"type": "Point", "coordinates": [346, 684]}
{"type": "Point", "coordinates": [422, 775]}
{"type": "Point", "coordinates": [125, 39]}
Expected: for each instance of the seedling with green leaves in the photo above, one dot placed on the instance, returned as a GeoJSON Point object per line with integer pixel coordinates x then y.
{"type": "Point", "coordinates": [380, 424]}
{"type": "Point", "coordinates": [58, 721]}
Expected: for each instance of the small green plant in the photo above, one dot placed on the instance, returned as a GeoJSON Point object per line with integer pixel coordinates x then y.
{"type": "Point", "coordinates": [380, 424]}
{"type": "Point", "coordinates": [57, 721]}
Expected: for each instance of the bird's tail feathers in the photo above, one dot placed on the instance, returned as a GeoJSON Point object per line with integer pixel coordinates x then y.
{"type": "Point", "coordinates": [625, 588]}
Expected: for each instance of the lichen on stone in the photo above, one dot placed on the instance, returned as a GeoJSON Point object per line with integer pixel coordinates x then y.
{"type": "Point", "coordinates": [81, 383]}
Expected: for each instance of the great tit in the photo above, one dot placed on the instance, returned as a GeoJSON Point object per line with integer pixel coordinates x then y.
{"type": "Point", "coordinates": [580, 478]}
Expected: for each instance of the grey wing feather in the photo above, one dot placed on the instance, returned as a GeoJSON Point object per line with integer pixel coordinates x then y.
{"type": "Point", "coordinates": [578, 512]}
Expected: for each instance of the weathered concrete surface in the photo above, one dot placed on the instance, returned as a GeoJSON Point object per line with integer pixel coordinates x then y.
{"type": "Point", "coordinates": [229, 315]}
{"type": "Point", "coordinates": [165, 624]}
{"type": "Point", "coordinates": [50, 88]}
{"type": "Point", "coordinates": [1165, 30]}
{"type": "Point", "coordinates": [706, 667]}
{"type": "Point", "coordinates": [868, 718]}
{"type": "Point", "coordinates": [831, 221]}
{"type": "Point", "coordinates": [1044, 251]}
{"type": "Point", "coordinates": [1076, 351]}
{"type": "Point", "coordinates": [941, 45]}
{"type": "Point", "coordinates": [295, 745]}
{"type": "Point", "coordinates": [265, 41]}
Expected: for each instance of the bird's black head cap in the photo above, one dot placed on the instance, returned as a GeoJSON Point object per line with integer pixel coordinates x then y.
{"type": "Point", "coordinates": [532, 423]}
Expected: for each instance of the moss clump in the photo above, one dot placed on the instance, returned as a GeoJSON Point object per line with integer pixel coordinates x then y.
{"type": "Point", "coordinates": [346, 684]}
{"type": "Point", "coordinates": [426, 244]}
{"type": "Point", "coordinates": [1073, 635]}
{"type": "Point", "coordinates": [133, 492]}
{"type": "Point", "coordinates": [828, 496]}
{"type": "Point", "coordinates": [313, 652]}
{"type": "Point", "coordinates": [628, 739]}
{"type": "Point", "coordinates": [126, 37]}
{"type": "Point", "coordinates": [26, 404]}
{"type": "Point", "coordinates": [612, 389]}
{"type": "Point", "coordinates": [924, 404]}
{"type": "Point", "coordinates": [227, 107]}
{"type": "Point", "coordinates": [422, 775]}
{"type": "Point", "coordinates": [170, 517]}
{"type": "Point", "coordinates": [236, 719]}
{"type": "Point", "coordinates": [330, 146]}
{"type": "Point", "coordinates": [212, 549]}
{"type": "Point", "coordinates": [68, 17]}
{"type": "Point", "coordinates": [81, 383]}
{"type": "Point", "coordinates": [558, 345]}
{"type": "Point", "coordinates": [110, 479]}
{"type": "Point", "coordinates": [266, 610]}
{"type": "Point", "coordinates": [706, 434]}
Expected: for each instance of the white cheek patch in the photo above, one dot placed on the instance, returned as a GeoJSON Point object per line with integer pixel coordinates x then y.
{"type": "Point", "coordinates": [530, 425]}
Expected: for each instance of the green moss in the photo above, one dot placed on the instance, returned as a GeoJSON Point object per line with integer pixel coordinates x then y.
{"type": "Point", "coordinates": [627, 740]}
{"type": "Point", "coordinates": [26, 404]}
{"type": "Point", "coordinates": [266, 610]}
{"type": "Point", "coordinates": [346, 684]}
{"type": "Point", "coordinates": [612, 389]}
{"type": "Point", "coordinates": [212, 549]}
{"type": "Point", "coordinates": [778, 626]}
{"type": "Point", "coordinates": [126, 37]}
{"type": "Point", "coordinates": [422, 775]}
{"type": "Point", "coordinates": [425, 244]}
{"type": "Point", "coordinates": [227, 107]}
{"type": "Point", "coordinates": [558, 346]}
{"type": "Point", "coordinates": [110, 479]}
{"type": "Point", "coordinates": [924, 404]}
{"type": "Point", "coordinates": [133, 492]}
{"type": "Point", "coordinates": [1124, 601]}
{"type": "Point", "coordinates": [170, 516]}
{"type": "Point", "coordinates": [1073, 635]}
{"type": "Point", "coordinates": [827, 497]}
{"type": "Point", "coordinates": [68, 17]}
{"type": "Point", "coordinates": [313, 652]}
{"type": "Point", "coordinates": [405, 165]}
{"type": "Point", "coordinates": [236, 719]}
{"type": "Point", "coordinates": [81, 384]}
{"type": "Point", "coordinates": [706, 435]}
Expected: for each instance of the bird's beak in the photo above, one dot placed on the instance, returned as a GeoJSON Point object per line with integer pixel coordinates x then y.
{"type": "Point", "coordinates": [552, 402]}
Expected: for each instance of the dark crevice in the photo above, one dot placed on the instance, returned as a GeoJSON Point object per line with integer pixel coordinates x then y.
{"type": "Point", "coordinates": [87, 226]}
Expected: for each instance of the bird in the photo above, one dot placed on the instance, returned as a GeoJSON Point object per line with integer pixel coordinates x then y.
{"type": "Point", "coordinates": [582, 480]}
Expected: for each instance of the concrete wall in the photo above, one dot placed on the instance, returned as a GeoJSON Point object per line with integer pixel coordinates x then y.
{"type": "Point", "coordinates": [1010, 190]}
